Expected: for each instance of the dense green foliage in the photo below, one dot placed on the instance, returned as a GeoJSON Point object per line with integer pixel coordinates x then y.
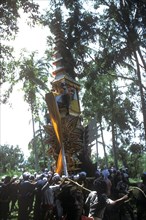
{"type": "Point", "coordinates": [11, 158]}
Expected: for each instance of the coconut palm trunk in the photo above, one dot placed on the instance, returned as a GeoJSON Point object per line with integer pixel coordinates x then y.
{"type": "Point", "coordinates": [34, 142]}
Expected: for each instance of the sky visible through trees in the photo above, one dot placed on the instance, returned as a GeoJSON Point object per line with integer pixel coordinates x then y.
{"type": "Point", "coordinates": [16, 128]}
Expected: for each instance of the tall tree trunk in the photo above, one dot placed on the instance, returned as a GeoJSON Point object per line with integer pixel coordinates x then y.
{"type": "Point", "coordinates": [42, 144]}
{"type": "Point", "coordinates": [143, 101]}
{"type": "Point", "coordinates": [142, 59]}
{"type": "Point", "coordinates": [34, 142]}
{"type": "Point", "coordinates": [114, 147]}
{"type": "Point", "coordinates": [103, 143]}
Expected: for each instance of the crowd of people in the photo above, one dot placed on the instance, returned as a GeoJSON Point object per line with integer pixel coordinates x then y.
{"type": "Point", "coordinates": [49, 196]}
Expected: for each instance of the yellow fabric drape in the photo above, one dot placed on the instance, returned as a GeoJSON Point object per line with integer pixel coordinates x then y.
{"type": "Point", "coordinates": [59, 166]}
{"type": "Point", "coordinates": [56, 122]}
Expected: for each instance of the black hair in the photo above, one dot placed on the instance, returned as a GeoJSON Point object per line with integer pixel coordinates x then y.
{"type": "Point", "coordinates": [100, 185]}
{"type": "Point", "coordinates": [143, 176]}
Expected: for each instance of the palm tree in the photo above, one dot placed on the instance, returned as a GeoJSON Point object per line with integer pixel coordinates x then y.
{"type": "Point", "coordinates": [34, 75]}
{"type": "Point", "coordinates": [121, 29]}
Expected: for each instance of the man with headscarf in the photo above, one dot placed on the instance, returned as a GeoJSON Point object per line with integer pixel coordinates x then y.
{"type": "Point", "coordinates": [98, 200]}
{"type": "Point", "coordinates": [25, 197]}
{"type": "Point", "coordinates": [5, 198]}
